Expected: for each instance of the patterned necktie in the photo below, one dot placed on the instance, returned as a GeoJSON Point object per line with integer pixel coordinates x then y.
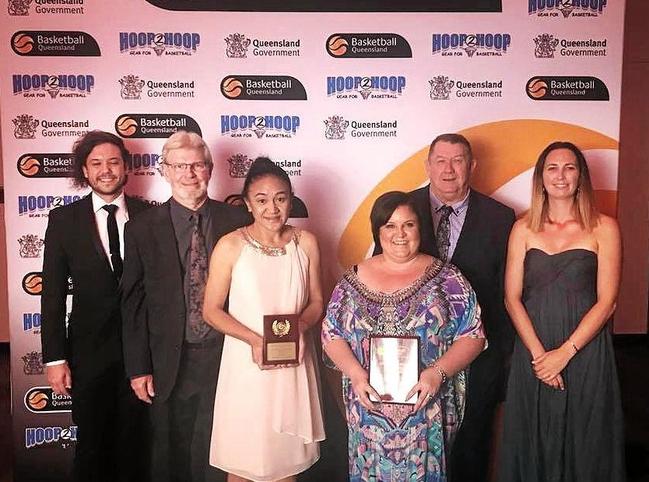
{"type": "Point", "coordinates": [113, 241]}
{"type": "Point", "coordinates": [197, 278]}
{"type": "Point", "coordinates": [443, 234]}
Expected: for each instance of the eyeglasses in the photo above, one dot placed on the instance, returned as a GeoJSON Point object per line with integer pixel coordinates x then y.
{"type": "Point", "coordinates": [197, 166]}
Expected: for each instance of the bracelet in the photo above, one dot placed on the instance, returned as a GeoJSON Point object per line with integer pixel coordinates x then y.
{"type": "Point", "coordinates": [441, 372]}
{"type": "Point", "coordinates": [574, 347]}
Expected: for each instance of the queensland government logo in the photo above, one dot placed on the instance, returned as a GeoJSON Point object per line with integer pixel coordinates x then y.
{"type": "Point", "coordinates": [61, 85]}
{"type": "Point", "coordinates": [237, 44]}
{"type": "Point", "coordinates": [32, 363]}
{"type": "Point", "coordinates": [545, 46]}
{"type": "Point", "coordinates": [162, 43]}
{"type": "Point", "coordinates": [31, 246]}
{"type": "Point", "coordinates": [441, 88]}
{"type": "Point", "coordinates": [34, 206]}
{"type": "Point", "coordinates": [368, 45]}
{"type": "Point", "coordinates": [366, 87]}
{"type": "Point", "coordinates": [44, 400]}
{"type": "Point", "coordinates": [262, 87]}
{"type": "Point", "coordinates": [25, 126]}
{"type": "Point", "coordinates": [239, 165]}
{"type": "Point", "coordinates": [144, 126]}
{"type": "Point", "coordinates": [566, 88]}
{"type": "Point", "coordinates": [567, 8]}
{"type": "Point", "coordinates": [336, 128]}
{"type": "Point", "coordinates": [46, 165]}
{"type": "Point", "coordinates": [132, 87]}
{"type": "Point", "coordinates": [54, 43]}
{"type": "Point", "coordinates": [64, 437]}
{"type": "Point", "coordinates": [269, 126]}
{"type": "Point", "coordinates": [478, 44]}
{"type": "Point", "coordinates": [46, 7]}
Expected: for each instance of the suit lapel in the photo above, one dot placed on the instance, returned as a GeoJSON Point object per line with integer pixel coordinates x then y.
{"type": "Point", "coordinates": [468, 232]}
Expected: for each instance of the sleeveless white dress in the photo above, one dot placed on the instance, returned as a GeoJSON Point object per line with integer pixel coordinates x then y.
{"type": "Point", "coordinates": [267, 423]}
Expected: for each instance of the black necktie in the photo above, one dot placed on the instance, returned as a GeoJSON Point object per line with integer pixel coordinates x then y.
{"type": "Point", "coordinates": [443, 234]}
{"type": "Point", "coordinates": [197, 278]}
{"type": "Point", "coordinates": [113, 241]}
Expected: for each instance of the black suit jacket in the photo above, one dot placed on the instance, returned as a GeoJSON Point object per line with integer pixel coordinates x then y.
{"type": "Point", "coordinates": [73, 249]}
{"type": "Point", "coordinates": [153, 301]}
{"type": "Point", "coordinates": [480, 254]}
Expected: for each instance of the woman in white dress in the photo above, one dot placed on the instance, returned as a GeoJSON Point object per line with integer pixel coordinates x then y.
{"type": "Point", "coordinates": [267, 420]}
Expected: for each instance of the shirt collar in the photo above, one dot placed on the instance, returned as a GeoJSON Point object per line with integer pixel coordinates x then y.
{"type": "Point", "coordinates": [186, 213]}
{"type": "Point", "coordinates": [98, 203]}
{"type": "Point", "coordinates": [458, 207]}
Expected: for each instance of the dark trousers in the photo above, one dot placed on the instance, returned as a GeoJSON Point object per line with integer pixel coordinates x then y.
{"type": "Point", "coordinates": [182, 424]}
{"type": "Point", "coordinates": [111, 429]}
{"type": "Point", "coordinates": [471, 450]}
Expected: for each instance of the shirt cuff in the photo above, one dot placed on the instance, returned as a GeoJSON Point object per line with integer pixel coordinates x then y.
{"type": "Point", "coordinates": [55, 362]}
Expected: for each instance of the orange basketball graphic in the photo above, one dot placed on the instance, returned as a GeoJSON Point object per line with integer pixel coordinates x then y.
{"type": "Point", "coordinates": [337, 45]}
{"type": "Point", "coordinates": [231, 87]}
{"type": "Point", "coordinates": [28, 166]}
{"type": "Point", "coordinates": [37, 400]}
{"type": "Point", "coordinates": [126, 126]}
{"type": "Point", "coordinates": [33, 283]}
{"type": "Point", "coordinates": [537, 88]}
{"type": "Point", "coordinates": [23, 43]}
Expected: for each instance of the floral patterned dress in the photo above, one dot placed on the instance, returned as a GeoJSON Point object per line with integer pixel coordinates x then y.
{"type": "Point", "coordinates": [392, 443]}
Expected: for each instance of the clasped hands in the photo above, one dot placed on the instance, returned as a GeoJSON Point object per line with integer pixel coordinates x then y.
{"type": "Point", "coordinates": [549, 365]}
{"type": "Point", "coordinates": [426, 388]}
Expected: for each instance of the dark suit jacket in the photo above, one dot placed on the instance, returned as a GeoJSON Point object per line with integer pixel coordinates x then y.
{"type": "Point", "coordinates": [73, 248]}
{"type": "Point", "coordinates": [153, 301]}
{"type": "Point", "coordinates": [480, 254]}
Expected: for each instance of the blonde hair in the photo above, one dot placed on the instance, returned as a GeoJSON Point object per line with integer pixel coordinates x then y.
{"type": "Point", "coordinates": [185, 139]}
{"type": "Point", "coordinates": [584, 200]}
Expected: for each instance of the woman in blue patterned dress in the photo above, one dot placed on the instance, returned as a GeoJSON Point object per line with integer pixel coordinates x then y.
{"type": "Point", "coordinates": [402, 292]}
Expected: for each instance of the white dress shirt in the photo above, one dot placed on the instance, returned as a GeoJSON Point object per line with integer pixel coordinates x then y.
{"type": "Point", "coordinates": [101, 219]}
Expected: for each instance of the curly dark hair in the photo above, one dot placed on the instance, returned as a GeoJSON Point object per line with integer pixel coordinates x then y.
{"type": "Point", "coordinates": [84, 145]}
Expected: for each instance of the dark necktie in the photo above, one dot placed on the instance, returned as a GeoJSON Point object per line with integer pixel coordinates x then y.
{"type": "Point", "coordinates": [197, 278]}
{"type": "Point", "coordinates": [113, 241]}
{"type": "Point", "coordinates": [443, 234]}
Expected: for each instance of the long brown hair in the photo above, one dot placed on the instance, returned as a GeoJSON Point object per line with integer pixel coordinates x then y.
{"type": "Point", "coordinates": [584, 200]}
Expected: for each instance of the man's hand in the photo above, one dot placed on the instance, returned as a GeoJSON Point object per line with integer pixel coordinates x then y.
{"type": "Point", "coordinates": [143, 387]}
{"type": "Point", "coordinates": [60, 378]}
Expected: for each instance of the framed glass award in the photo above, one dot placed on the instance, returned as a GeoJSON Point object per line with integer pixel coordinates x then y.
{"type": "Point", "coordinates": [394, 367]}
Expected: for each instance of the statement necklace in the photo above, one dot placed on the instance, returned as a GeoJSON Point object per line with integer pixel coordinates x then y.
{"type": "Point", "coordinates": [267, 250]}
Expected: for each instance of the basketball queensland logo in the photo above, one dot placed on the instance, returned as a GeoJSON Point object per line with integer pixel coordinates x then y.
{"type": "Point", "coordinates": [54, 43]}
{"type": "Point", "coordinates": [46, 165]}
{"type": "Point", "coordinates": [367, 45]}
{"type": "Point", "coordinates": [262, 87]}
{"type": "Point", "coordinates": [566, 88]}
{"type": "Point", "coordinates": [154, 125]}
{"type": "Point", "coordinates": [44, 400]}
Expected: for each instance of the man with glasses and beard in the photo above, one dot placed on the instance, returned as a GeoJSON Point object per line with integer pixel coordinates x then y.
{"type": "Point", "coordinates": [84, 242]}
{"type": "Point", "coordinates": [172, 356]}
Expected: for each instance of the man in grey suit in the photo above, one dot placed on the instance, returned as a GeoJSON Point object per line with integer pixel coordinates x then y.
{"type": "Point", "coordinates": [171, 355]}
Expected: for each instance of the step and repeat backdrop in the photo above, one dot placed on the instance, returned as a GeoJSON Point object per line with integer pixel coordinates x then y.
{"type": "Point", "coordinates": [345, 101]}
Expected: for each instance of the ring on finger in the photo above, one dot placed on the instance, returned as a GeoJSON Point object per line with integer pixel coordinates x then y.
{"type": "Point", "coordinates": [429, 397]}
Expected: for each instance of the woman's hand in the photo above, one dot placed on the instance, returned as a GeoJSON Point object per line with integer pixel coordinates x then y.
{"type": "Point", "coordinates": [363, 389]}
{"type": "Point", "coordinates": [429, 382]}
{"type": "Point", "coordinates": [550, 365]}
